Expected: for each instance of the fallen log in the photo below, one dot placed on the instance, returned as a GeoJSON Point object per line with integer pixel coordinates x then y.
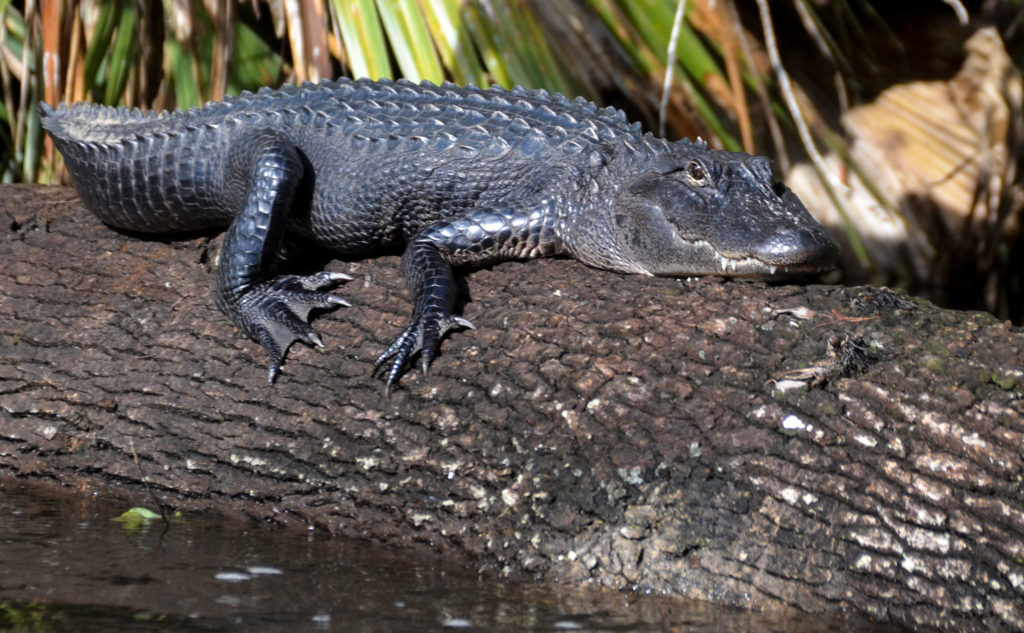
{"type": "Point", "coordinates": [835, 450]}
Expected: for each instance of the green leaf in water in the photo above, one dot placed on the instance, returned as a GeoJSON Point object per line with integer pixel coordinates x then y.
{"type": "Point", "coordinates": [137, 516]}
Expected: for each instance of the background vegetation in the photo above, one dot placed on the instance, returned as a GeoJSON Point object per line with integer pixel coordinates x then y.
{"type": "Point", "coordinates": [743, 74]}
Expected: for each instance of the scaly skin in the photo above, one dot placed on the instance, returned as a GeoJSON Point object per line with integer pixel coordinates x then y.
{"type": "Point", "coordinates": [461, 176]}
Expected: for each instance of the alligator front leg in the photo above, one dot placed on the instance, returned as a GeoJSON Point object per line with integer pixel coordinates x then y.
{"type": "Point", "coordinates": [429, 279]}
{"type": "Point", "coordinates": [265, 170]}
{"type": "Point", "coordinates": [478, 238]}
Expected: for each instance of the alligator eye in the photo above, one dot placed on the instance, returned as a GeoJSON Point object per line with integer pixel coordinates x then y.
{"type": "Point", "coordinates": [697, 173]}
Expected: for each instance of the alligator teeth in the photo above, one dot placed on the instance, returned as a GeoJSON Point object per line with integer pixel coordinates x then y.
{"type": "Point", "coordinates": [724, 261]}
{"type": "Point", "coordinates": [771, 270]}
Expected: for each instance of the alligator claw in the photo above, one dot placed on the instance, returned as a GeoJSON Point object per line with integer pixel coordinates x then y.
{"type": "Point", "coordinates": [422, 336]}
{"type": "Point", "coordinates": [275, 313]}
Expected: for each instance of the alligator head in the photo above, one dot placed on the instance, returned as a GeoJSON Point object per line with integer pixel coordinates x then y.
{"type": "Point", "coordinates": [694, 211]}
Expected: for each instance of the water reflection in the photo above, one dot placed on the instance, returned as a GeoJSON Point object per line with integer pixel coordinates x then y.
{"type": "Point", "coordinates": [68, 565]}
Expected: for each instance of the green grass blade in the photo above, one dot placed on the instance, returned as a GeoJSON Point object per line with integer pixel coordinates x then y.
{"type": "Point", "coordinates": [363, 38]}
{"type": "Point", "coordinates": [428, 65]}
{"type": "Point", "coordinates": [33, 143]}
{"type": "Point", "coordinates": [644, 26]}
{"type": "Point", "coordinates": [530, 44]}
{"type": "Point", "coordinates": [13, 22]}
{"type": "Point", "coordinates": [253, 63]}
{"type": "Point", "coordinates": [122, 58]}
{"type": "Point", "coordinates": [99, 45]}
{"type": "Point", "coordinates": [409, 41]}
{"type": "Point", "coordinates": [653, 22]}
{"type": "Point", "coordinates": [501, 68]}
{"type": "Point", "coordinates": [454, 45]}
{"type": "Point", "coordinates": [13, 35]}
{"type": "Point", "coordinates": [625, 34]}
{"type": "Point", "coordinates": [186, 84]}
{"type": "Point", "coordinates": [398, 38]}
{"type": "Point", "coordinates": [8, 166]}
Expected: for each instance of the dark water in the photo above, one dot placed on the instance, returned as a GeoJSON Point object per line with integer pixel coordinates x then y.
{"type": "Point", "coordinates": [67, 564]}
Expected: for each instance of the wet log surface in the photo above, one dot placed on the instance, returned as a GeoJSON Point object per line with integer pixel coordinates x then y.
{"type": "Point", "coordinates": [619, 430]}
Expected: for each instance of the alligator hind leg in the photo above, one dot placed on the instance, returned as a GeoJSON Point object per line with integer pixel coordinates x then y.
{"type": "Point", "coordinates": [263, 173]}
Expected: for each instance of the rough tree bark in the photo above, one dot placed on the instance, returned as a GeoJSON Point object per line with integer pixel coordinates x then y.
{"type": "Point", "coordinates": [621, 430]}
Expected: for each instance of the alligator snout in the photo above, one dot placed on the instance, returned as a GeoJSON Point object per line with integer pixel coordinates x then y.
{"type": "Point", "coordinates": [808, 249]}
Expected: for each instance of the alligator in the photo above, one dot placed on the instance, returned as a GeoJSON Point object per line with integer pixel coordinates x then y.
{"type": "Point", "coordinates": [458, 175]}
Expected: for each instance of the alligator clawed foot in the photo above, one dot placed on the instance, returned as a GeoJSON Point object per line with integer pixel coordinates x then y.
{"type": "Point", "coordinates": [276, 312]}
{"type": "Point", "coordinates": [422, 336]}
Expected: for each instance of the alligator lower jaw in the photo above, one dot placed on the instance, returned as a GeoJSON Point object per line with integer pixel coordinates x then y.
{"type": "Point", "coordinates": [753, 267]}
{"type": "Point", "coordinates": [706, 260]}
{"type": "Point", "coordinates": [742, 266]}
